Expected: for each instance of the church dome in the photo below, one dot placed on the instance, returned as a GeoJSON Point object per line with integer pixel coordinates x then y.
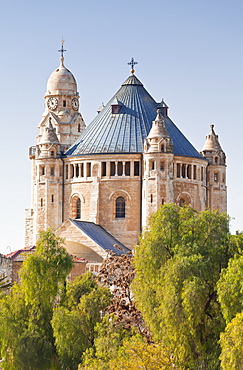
{"type": "Point", "coordinates": [61, 81]}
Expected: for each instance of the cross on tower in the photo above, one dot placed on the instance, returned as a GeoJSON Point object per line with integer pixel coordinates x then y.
{"type": "Point", "coordinates": [62, 49]}
{"type": "Point", "coordinates": [132, 64]}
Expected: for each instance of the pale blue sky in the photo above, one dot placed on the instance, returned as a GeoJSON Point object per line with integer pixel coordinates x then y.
{"type": "Point", "coordinates": [189, 52]}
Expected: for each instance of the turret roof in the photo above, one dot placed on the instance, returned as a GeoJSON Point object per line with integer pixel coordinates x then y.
{"type": "Point", "coordinates": [212, 142]}
{"type": "Point", "coordinates": [126, 130]}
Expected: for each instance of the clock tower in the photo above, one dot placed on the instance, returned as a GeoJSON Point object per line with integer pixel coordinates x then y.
{"type": "Point", "coordinates": [62, 105]}
{"type": "Point", "coordinates": [60, 126]}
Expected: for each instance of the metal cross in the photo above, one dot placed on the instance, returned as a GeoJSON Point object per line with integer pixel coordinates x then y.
{"type": "Point", "coordinates": [132, 63]}
{"type": "Point", "coordinates": [62, 50]}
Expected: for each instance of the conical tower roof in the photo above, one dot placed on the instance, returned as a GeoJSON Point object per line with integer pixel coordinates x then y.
{"type": "Point", "coordinates": [126, 131]}
{"type": "Point", "coordinates": [49, 136]}
{"type": "Point", "coordinates": [212, 142]}
{"type": "Point", "coordinates": [158, 128]}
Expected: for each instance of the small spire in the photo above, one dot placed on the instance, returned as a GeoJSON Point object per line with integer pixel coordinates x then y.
{"type": "Point", "coordinates": [159, 117]}
{"type": "Point", "coordinates": [62, 50]}
{"type": "Point", "coordinates": [132, 64]}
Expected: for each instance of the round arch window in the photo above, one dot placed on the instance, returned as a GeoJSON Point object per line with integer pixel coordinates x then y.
{"type": "Point", "coordinates": [120, 207]}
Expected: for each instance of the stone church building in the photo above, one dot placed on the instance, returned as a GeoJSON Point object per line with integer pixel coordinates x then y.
{"type": "Point", "coordinates": [96, 185]}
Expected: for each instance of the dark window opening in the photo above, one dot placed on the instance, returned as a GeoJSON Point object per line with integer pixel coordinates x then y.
{"type": "Point", "coordinates": [72, 171]}
{"type": "Point", "coordinates": [41, 202]}
{"type": "Point", "coordinates": [127, 169]}
{"type": "Point", "coordinates": [66, 171]}
{"type": "Point", "coordinates": [151, 165]}
{"type": "Point", "coordinates": [162, 148]}
{"type": "Point", "coordinates": [52, 198]}
{"type": "Point", "coordinates": [115, 109]}
{"type": "Point", "coordinates": [52, 171]}
{"type": "Point", "coordinates": [216, 177]}
{"type": "Point", "coordinates": [178, 170]}
{"type": "Point", "coordinates": [202, 174]}
{"type": "Point", "coordinates": [162, 166]}
{"type": "Point", "coordinates": [52, 153]}
{"type": "Point", "coordinates": [216, 160]}
{"type": "Point", "coordinates": [78, 208]}
{"type": "Point", "coordinates": [77, 170]}
{"type": "Point", "coordinates": [64, 103]}
{"type": "Point", "coordinates": [120, 168]}
{"type": "Point", "coordinates": [136, 168]}
{"type": "Point", "coordinates": [189, 171]}
{"type": "Point", "coordinates": [82, 170]}
{"type": "Point", "coordinates": [194, 172]}
{"type": "Point", "coordinates": [183, 171]}
{"type": "Point", "coordinates": [79, 127]}
{"type": "Point", "coordinates": [113, 168]}
{"type": "Point", "coordinates": [162, 201]}
{"type": "Point", "coordinates": [42, 170]}
{"type": "Point", "coordinates": [88, 168]}
{"type": "Point", "coordinates": [151, 198]}
{"type": "Point", "coordinates": [103, 168]}
{"type": "Point", "coordinates": [120, 207]}
{"type": "Point", "coordinates": [182, 202]}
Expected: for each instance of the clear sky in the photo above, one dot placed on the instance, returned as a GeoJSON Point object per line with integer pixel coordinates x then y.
{"type": "Point", "coordinates": [189, 52]}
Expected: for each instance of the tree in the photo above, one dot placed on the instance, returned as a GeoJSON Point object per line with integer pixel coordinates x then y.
{"type": "Point", "coordinates": [109, 336]}
{"type": "Point", "coordinates": [74, 322]}
{"type": "Point", "coordinates": [137, 354]}
{"type": "Point", "coordinates": [232, 343]}
{"type": "Point", "coordinates": [117, 272]}
{"type": "Point", "coordinates": [177, 265]}
{"type": "Point", "coordinates": [4, 283]}
{"type": "Point", "coordinates": [26, 333]}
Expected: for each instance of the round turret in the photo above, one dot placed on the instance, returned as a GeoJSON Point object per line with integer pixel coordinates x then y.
{"type": "Point", "coordinates": [61, 82]}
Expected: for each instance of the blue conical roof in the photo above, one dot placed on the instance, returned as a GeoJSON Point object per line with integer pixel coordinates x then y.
{"type": "Point", "coordinates": [126, 130]}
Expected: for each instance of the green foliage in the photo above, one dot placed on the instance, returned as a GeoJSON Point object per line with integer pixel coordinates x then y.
{"type": "Point", "coordinates": [178, 264]}
{"type": "Point", "coordinates": [25, 330]}
{"type": "Point", "coordinates": [81, 285]}
{"type": "Point", "coordinates": [137, 354]}
{"type": "Point", "coordinates": [74, 322]}
{"type": "Point", "coordinates": [45, 270]}
{"type": "Point", "coordinates": [232, 344]}
{"type": "Point", "coordinates": [230, 288]}
{"type": "Point", "coordinates": [4, 283]}
{"type": "Point", "coordinates": [109, 337]}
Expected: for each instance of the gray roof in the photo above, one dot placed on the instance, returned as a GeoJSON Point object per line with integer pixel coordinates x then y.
{"type": "Point", "coordinates": [100, 236]}
{"type": "Point", "coordinates": [126, 131]}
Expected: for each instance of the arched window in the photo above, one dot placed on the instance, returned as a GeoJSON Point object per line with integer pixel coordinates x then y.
{"type": "Point", "coordinates": [182, 202]}
{"type": "Point", "coordinates": [78, 208]}
{"type": "Point", "coordinates": [120, 207]}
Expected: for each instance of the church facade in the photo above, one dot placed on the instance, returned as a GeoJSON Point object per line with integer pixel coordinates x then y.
{"type": "Point", "coordinates": [97, 185]}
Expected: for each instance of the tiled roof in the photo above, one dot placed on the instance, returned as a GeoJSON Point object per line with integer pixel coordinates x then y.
{"type": "Point", "coordinates": [15, 254]}
{"type": "Point", "coordinates": [126, 131]}
{"type": "Point", "coordinates": [100, 236]}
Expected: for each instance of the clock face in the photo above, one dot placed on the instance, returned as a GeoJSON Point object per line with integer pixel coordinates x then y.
{"type": "Point", "coordinates": [75, 103]}
{"type": "Point", "coordinates": [52, 103]}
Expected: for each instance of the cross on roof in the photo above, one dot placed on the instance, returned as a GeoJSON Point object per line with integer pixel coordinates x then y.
{"type": "Point", "coordinates": [132, 64]}
{"type": "Point", "coordinates": [62, 50]}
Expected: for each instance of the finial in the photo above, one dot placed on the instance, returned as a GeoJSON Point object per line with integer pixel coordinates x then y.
{"type": "Point", "coordinates": [132, 64]}
{"type": "Point", "coordinates": [62, 51]}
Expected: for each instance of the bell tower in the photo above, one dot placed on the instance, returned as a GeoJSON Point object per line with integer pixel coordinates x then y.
{"type": "Point", "coordinates": [158, 169]}
{"type": "Point", "coordinates": [60, 126]}
{"type": "Point", "coordinates": [216, 172]}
